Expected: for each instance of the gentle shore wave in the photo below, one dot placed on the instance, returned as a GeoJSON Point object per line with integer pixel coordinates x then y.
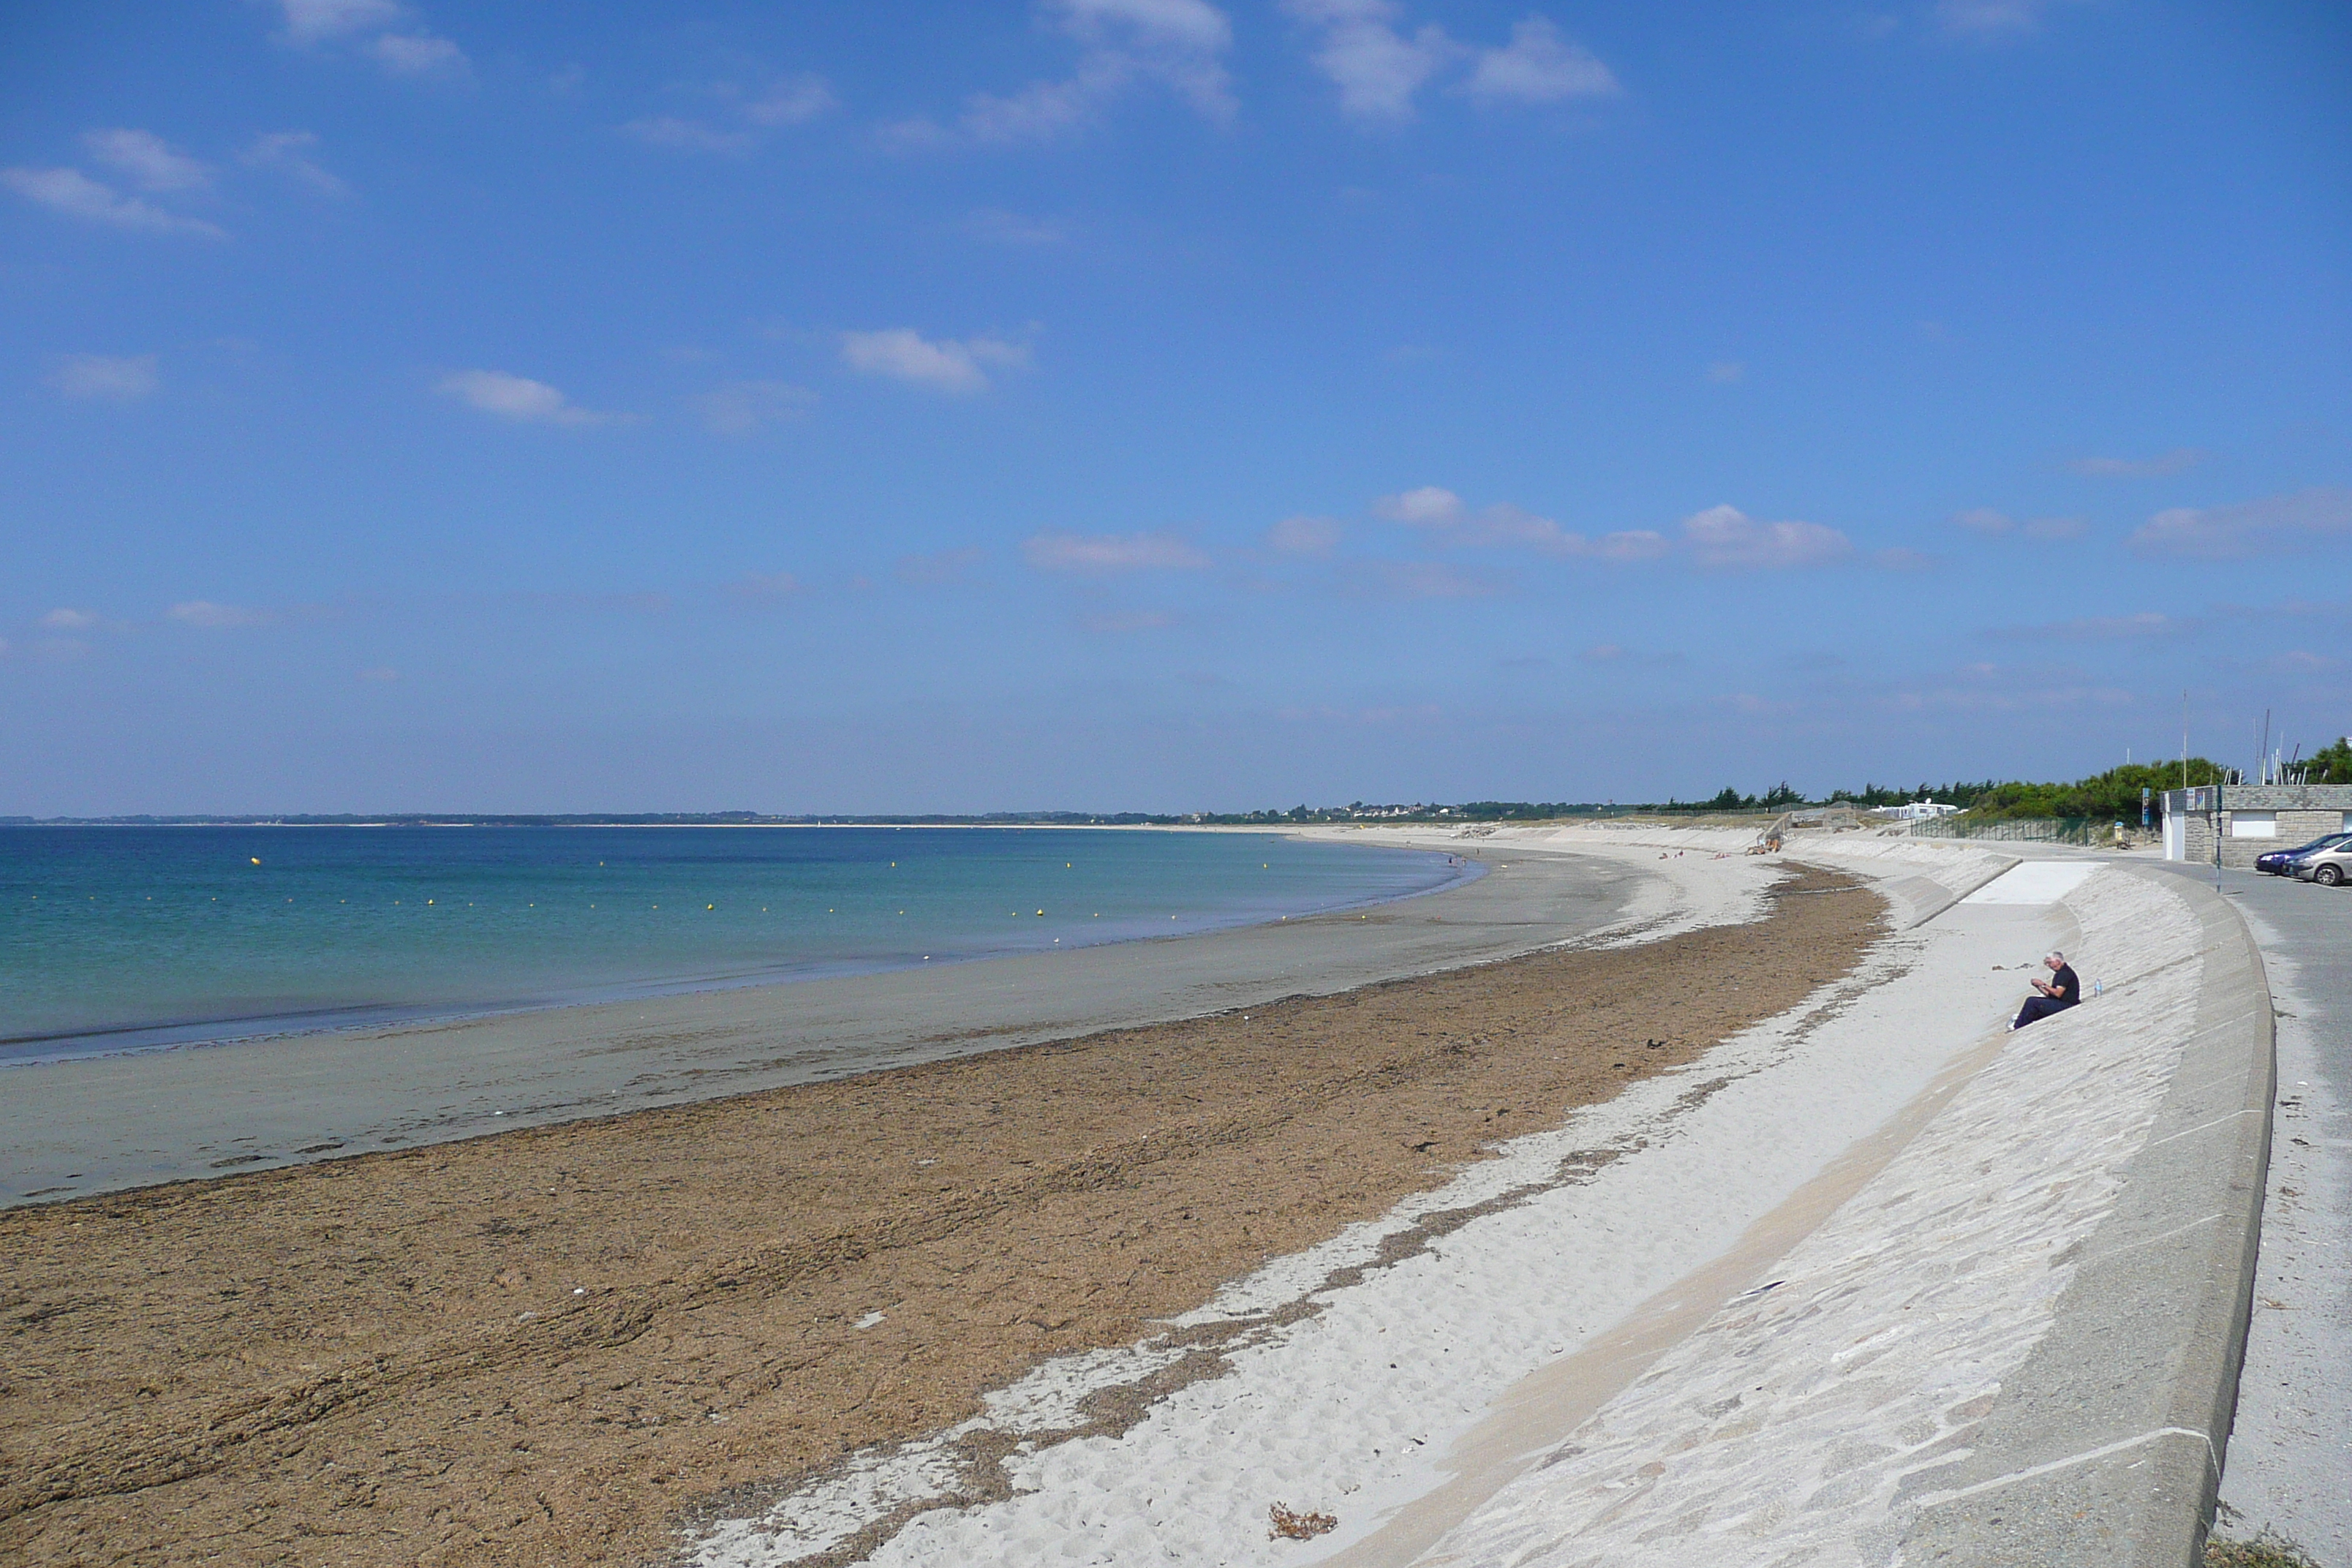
{"type": "Point", "coordinates": [118, 940]}
{"type": "Point", "coordinates": [289, 1099]}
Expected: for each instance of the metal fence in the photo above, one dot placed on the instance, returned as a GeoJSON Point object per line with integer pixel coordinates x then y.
{"type": "Point", "coordinates": [2018, 829]}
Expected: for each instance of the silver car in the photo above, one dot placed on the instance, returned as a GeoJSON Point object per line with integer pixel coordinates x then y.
{"type": "Point", "coordinates": [2330, 868]}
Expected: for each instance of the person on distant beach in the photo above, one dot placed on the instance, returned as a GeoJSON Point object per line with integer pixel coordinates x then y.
{"type": "Point", "coordinates": [2060, 992]}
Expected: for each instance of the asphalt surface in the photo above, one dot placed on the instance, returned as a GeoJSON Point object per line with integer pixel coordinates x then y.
{"type": "Point", "coordinates": [2289, 1465]}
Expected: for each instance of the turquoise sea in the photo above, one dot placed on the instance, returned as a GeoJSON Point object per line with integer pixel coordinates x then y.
{"type": "Point", "coordinates": [128, 938]}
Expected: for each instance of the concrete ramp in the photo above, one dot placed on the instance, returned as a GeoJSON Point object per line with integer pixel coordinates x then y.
{"type": "Point", "coordinates": [2035, 882]}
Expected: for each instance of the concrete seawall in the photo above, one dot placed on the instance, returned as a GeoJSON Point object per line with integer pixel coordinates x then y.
{"type": "Point", "coordinates": [2099, 1424]}
{"type": "Point", "coordinates": [2105, 1446]}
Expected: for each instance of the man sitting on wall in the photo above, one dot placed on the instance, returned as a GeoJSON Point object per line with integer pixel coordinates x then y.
{"type": "Point", "coordinates": [2060, 992]}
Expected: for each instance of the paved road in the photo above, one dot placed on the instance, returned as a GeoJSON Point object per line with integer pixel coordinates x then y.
{"type": "Point", "coordinates": [2290, 1459]}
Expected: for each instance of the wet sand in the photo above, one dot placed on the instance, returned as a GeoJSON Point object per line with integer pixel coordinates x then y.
{"type": "Point", "coordinates": [74, 1128]}
{"type": "Point", "coordinates": [558, 1344]}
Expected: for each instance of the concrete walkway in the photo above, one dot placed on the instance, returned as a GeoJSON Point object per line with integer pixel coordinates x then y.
{"type": "Point", "coordinates": [2290, 1459]}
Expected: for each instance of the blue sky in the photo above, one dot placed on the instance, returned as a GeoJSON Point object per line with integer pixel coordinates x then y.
{"type": "Point", "coordinates": [1155, 404]}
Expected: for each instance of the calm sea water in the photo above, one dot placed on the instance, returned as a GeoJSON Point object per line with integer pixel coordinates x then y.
{"type": "Point", "coordinates": [115, 939]}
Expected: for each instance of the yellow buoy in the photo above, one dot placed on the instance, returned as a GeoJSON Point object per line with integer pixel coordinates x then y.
{"type": "Point", "coordinates": [711, 906]}
{"type": "Point", "coordinates": [257, 859]}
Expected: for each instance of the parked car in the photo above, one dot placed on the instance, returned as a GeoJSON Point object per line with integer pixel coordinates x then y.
{"type": "Point", "coordinates": [2281, 862]}
{"type": "Point", "coordinates": [2330, 868]}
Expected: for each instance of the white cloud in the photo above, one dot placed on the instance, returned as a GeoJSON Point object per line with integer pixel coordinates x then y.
{"type": "Point", "coordinates": [1504, 523]}
{"type": "Point", "coordinates": [1984, 519]}
{"type": "Point", "coordinates": [1380, 64]}
{"type": "Point", "coordinates": [517, 397]}
{"type": "Point", "coordinates": [112, 378]}
{"type": "Point", "coordinates": [947, 365]}
{"type": "Point", "coordinates": [1991, 20]}
{"type": "Point", "coordinates": [2271, 526]}
{"type": "Point", "coordinates": [689, 135]}
{"type": "Point", "coordinates": [289, 152]}
{"type": "Point", "coordinates": [1178, 44]}
{"type": "Point", "coordinates": [317, 21]}
{"type": "Point", "coordinates": [1724, 538]}
{"type": "Point", "coordinates": [147, 160]}
{"type": "Point", "coordinates": [740, 407]}
{"type": "Point", "coordinates": [1037, 113]}
{"type": "Point", "coordinates": [1304, 535]}
{"type": "Point", "coordinates": [206, 615]}
{"type": "Point", "coordinates": [1377, 69]}
{"type": "Point", "coordinates": [1540, 65]}
{"type": "Point", "coordinates": [791, 100]}
{"type": "Point", "coordinates": [419, 54]}
{"type": "Point", "coordinates": [75, 194]}
{"type": "Point", "coordinates": [1631, 544]}
{"type": "Point", "coordinates": [1441, 513]}
{"type": "Point", "coordinates": [65, 619]}
{"type": "Point", "coordinates": [411, 53]}
{"type": "Point", "coordinates": [1110, 553]}
{"type": "Point", "coordinates": [1187, 29]}
{"type": "Point", "coordinates": [2179, 460]}
{"type": "Point", "coordinates": [1427, 507]}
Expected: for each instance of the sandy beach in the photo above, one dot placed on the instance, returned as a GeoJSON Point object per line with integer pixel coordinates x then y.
{"type": "Point", "coordinates": [564, 1343]}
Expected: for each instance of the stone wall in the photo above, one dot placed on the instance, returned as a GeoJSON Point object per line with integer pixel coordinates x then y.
{"type": "Point", "coordinates": [2300, 813]}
